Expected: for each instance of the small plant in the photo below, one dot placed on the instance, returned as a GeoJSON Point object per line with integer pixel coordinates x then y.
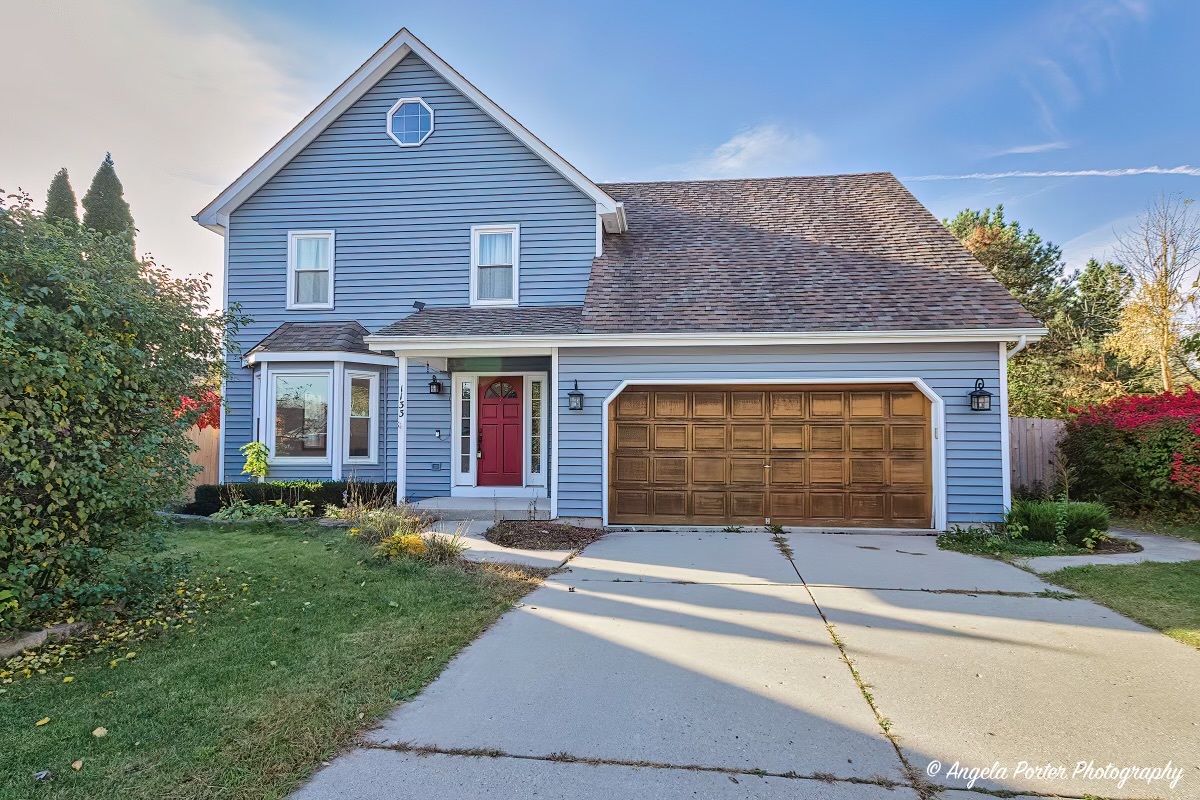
{"type": "Point", "coordinates": [443, 549]}
{"type": "Point", "coordinates": [256, 454]}
{"type": "Point", "coordinates": [239, 510]}
{"type": "Point", "coordinates": [401, 545]}
{"type": "Point", "coordinates": [1061, 522]}
{"type": "Point", "coordinates": [371, 524]}
{"type": "Point", "coordinates": [775, 530]}
{"type": "Point", "coordinates": [732, 529]}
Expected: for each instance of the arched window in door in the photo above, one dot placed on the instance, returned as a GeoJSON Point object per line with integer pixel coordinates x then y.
{"type": "Point", "coordinates": [502, 390]}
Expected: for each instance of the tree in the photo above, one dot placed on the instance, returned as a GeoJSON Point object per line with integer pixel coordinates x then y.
{"type": "Point", "coordinates": [1028, 267]}
{"type": "Point", "coordinates": [60, 200]}
{"type": "Point", "coordinates": [97, 350]}
{"type": "Point", "coordinates": [104, 206]}
{"type": "Point", "coordinates": [1160, 252]}
{"type": "Point", "coordinates": [1094, 307]}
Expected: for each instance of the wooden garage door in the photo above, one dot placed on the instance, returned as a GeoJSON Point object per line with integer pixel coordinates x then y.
{"type": "Point", "coordinates": [742, 455]}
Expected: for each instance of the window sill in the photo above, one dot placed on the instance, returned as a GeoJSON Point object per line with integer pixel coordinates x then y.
{"type": "Point", "coordinates": [361, 462]}
{"type": "Point", "coordinates": [494, 303]}
{"type": "Point", "coordinates": [285, 461]}
{"type": "Point", "coordinates": [309, 307]}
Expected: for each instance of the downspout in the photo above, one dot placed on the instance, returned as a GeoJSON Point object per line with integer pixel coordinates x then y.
{"type": "Point", "coordinates": [1024, 340]}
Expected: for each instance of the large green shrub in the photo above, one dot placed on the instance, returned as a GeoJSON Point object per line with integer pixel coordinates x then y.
{"type": "Point", "coordinates": [211, 497]}
{"type": "Point", "coordinates": [1047, 520]}
{"type": "Point", "coordinates": [1138, 454]}
{"type": "Point", "coordinates": [95, 351]}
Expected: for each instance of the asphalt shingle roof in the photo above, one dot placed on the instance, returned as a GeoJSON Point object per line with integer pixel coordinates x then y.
{"type": "Point", "coordinates": [488, 321]}
{"type": "Point", "coordinates": [828, 253]}
{"type": "Point", "coordinates": [293, 337]}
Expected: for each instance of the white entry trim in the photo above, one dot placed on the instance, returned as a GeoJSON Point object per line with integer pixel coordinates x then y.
{"type": "Point", "coordinates": [937, 423]}
{"type": "Point", "coordinates": [463, 484]}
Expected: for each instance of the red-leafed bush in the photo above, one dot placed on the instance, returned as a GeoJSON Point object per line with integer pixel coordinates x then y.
{"type": "Point", "coordinates": [208, 403]}
{"type": "Point", "coordinates": [1139, 453]}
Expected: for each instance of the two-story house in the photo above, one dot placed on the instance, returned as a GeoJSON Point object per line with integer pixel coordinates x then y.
{"type": "Point", "coordinates": [440, 299]}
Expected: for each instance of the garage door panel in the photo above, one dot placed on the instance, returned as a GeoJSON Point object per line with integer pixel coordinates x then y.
{"type": "Point", "coordinates": [721, 455]}
{"type": "Point", "coordinates": [670, 437]}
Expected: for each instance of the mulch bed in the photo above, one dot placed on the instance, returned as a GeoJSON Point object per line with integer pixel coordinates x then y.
{"type": "Point", "coordinates": [541, 535]}
{"type": "Point", "coordinates": [1115, 544]}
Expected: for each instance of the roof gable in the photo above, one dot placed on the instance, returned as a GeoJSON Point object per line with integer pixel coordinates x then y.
{"type": "Point", "coordinates": [215, 215]}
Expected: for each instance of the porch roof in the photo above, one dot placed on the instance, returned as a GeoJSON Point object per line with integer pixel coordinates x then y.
{"type": "Point", "coordinates": [488, 321]}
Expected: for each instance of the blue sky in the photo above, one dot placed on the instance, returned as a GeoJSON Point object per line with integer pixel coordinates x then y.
{"type": "Point", "coordinates": [662, 91]}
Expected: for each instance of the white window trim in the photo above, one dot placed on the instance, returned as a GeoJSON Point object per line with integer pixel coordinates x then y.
{"type": "Point", "coordinates": [392, 112]}
{"type": "Point", "coordinates": [372, 456]}
{"type": "Point", "coordinates": [476, 231]}
{"type": "Point", "coordinates": [268, 416]}
{"type": "Point", "coordinates": [464, 484]}
{"type": "Point", "coordinates": [292, 305]}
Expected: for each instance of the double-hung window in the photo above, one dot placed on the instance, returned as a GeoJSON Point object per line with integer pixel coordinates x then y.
{"type": "Point", "coordinates": [362, 417]}
{"type": "Point", "coordinates": [310, 269]}
{"type": "Point", "coordinates": [495, 256]}
{"type": "Point", "coordinates": [299, 404]}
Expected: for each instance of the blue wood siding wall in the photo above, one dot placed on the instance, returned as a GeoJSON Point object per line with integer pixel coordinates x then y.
{"type": "Point", "coordinates": [973, 445]}
{"type": "Point", "coordinates": [429, 468]}
{"type": "Point", "coordinates": [402, 218]}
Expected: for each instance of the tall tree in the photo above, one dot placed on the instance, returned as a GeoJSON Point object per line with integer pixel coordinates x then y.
{"type": "Point", "coordinates": [1027, 266]}
{"type": "Point", "coordinates": [1161, 251]}
{"type": "Point", "coordinates": [60, 200]}
{"type": "Point", "coordinates": [1094, 307]}
{"type": "Point", "coordinates": [104, 206]}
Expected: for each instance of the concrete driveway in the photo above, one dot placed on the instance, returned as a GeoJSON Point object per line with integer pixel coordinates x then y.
{"type": "Point", "coordinates": [714, 665]}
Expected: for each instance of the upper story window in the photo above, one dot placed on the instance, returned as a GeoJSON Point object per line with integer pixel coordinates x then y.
{"type": "Point", "coordinates": [310, 269]}
{"type": "Point", "coordinates": [410, 122]}
{"type": "Point", "coordinates": [495, 253]}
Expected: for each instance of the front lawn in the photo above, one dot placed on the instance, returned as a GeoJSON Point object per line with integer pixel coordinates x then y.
{"type": "Point", "coordinates": [320, 641]}
{"type": "Point", "coordinates": [1163, 596]}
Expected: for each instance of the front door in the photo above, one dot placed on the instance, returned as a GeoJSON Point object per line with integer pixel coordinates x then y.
{"type": "Point", "coordinates": [500, 448]}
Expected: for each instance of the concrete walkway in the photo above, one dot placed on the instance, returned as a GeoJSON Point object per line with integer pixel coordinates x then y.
{"type": "Point", "coordinates": [1155, 547]}
{"type": "Point", "coordinates": [675, 665]}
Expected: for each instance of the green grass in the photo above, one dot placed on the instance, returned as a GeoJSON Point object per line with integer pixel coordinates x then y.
{"type": "Point", "coordinates": [1163, 596]}
{"type": "Point", "coordinates": [1180, 530]}
{"type": "Point", "coordinates": [262, 690]}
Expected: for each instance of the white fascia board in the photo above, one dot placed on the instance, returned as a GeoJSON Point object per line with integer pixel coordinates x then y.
{"type": "Point", "coordinates": [428, 344]}
{"type": "Point", "coordinates": [383, 61]}
{"type": "Point", "coordinates": [318, 355]}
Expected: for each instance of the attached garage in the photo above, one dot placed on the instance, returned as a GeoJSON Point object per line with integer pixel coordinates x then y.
{"type": "Point", "coordinates": [833, 456]}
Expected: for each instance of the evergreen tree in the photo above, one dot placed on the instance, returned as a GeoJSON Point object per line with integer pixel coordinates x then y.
{"type": "Point", "coordinates": [104, 206]}
{"type": "Point", "coordinates": [60, 200]}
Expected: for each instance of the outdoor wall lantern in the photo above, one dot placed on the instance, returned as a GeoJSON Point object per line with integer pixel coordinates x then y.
{"type": "Point", "coordinates": [575, 398]}
{"type": "Point", "coordinates": [981, 398]}
{"type": "Point", "coordinates": [435, 386]}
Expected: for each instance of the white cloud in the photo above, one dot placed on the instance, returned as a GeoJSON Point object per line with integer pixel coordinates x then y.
{"type": "Point", "coordinates": [1024, 149]}
{"type": "Point", "coordinates": [760, 151]}
{"type": "Point", "coordinates": [182, 96]}
{"type": "Point", "coordinates": [1062, 173]}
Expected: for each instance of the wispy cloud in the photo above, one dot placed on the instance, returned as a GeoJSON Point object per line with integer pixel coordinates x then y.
{"type": "Point", "coordinates": [763, 150]}
{"type": "Point", "coordinates": [1061, 173]}
{"type": "Point", "coordinates": [1023, 149]}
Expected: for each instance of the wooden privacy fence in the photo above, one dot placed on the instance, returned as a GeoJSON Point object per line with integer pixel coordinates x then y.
{"type": "Point", "coordinates": [208, 440]}
{"type": "Point", "coordinates": [1033, 451]}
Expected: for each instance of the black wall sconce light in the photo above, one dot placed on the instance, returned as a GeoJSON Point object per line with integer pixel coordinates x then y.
{"type": "Point", "coordinates": [435, 386]}
{"type": "Point", "coordinates": [575, 398]}
{"type": "Point", "coordinates": [981, 398]}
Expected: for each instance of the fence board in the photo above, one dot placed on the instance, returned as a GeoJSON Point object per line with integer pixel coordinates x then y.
{"type": "Point", "coordinates": [1033, 451]}
{"type": "Point", "coordinates": [208, 441]}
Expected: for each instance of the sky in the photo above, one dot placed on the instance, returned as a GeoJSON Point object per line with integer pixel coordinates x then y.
{"type": "Point", "coordinates": [1073, 115]}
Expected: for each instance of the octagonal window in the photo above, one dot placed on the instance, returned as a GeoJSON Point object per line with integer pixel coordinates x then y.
{"type": "Point", "coordinates": [410, 122]}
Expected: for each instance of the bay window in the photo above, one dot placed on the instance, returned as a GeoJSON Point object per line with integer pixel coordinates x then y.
{"type": "Point", "coordinates": [362, 417]}
{"type": "Point", "coordinates": [299, 403]}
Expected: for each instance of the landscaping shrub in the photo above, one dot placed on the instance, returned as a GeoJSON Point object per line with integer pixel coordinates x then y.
{"type": "Point", "coordinates": [1138, 454]}
{"type": "Point", "coordinates": [401, 545]}
{"type": "Point", "coordinates": [1050, 520]}
{"type": "Point", "coordinates": [212, 497]}
{"type": "Point", "coordinates": [96, 350]}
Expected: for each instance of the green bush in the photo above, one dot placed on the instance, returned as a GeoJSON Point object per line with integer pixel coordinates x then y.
{"type": "Point", "coordinates": [96, 350]}
{"type": "Point", "coordinates": [1050, 520]}
{"type": "Point", "coordinates": [210, 498]}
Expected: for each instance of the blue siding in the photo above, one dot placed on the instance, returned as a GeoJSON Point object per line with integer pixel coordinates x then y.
{"type": "Point", "coordinates": [402, 218]}
{"type": "Point", "coordinates": [973, 442]}
{"type": "Point", "coordinates": [429, 468]}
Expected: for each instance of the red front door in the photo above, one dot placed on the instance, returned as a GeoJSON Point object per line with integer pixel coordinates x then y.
{"type": "Point", "coordinates": [501, 447]}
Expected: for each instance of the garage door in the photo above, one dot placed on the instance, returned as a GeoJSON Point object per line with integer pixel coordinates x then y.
{"type": "Point", "coordinates": [741, 455]}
